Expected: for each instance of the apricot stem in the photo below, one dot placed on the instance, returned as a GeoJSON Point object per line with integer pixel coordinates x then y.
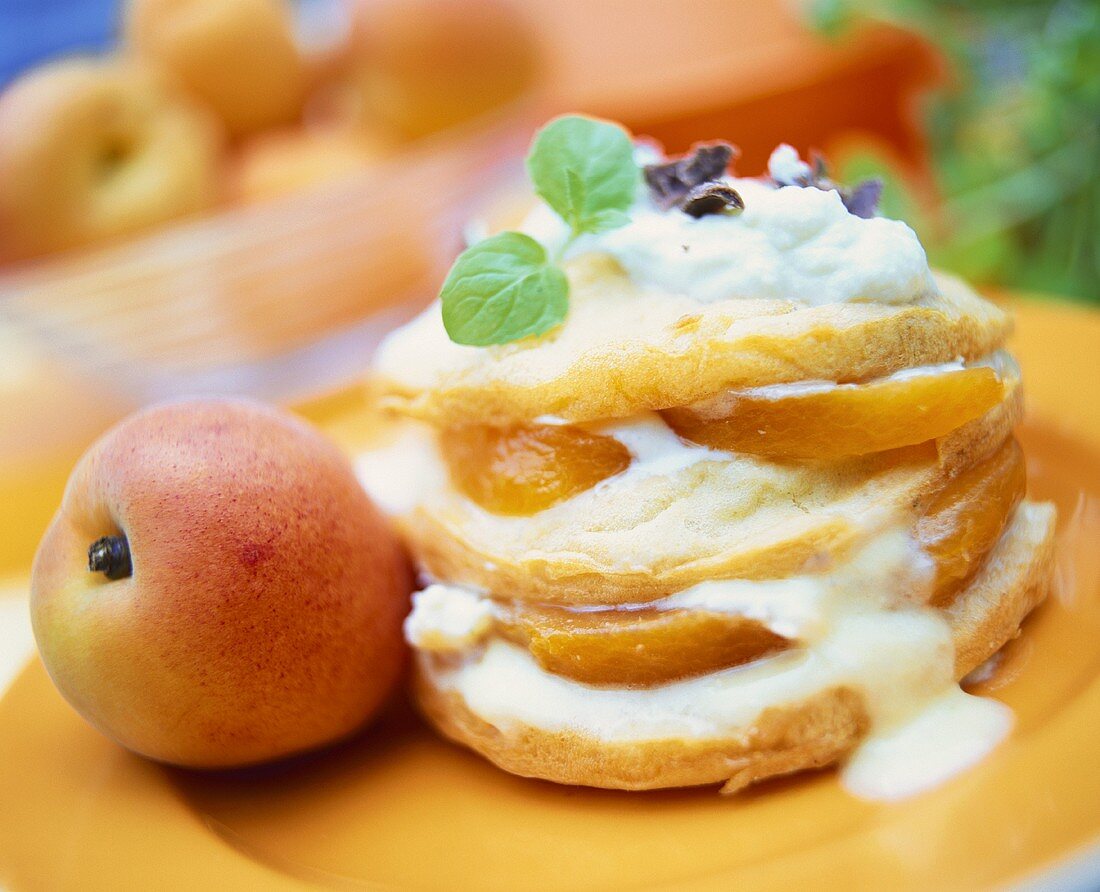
{"type": "Point", "coordinates": [110, 555]}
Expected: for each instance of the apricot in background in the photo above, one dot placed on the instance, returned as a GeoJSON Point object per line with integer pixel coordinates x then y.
{"type": "Point", "coordinates": [92, 149]}
{"type": "Point", "coordinates": [238, 57]}
{"type": "Point", "coordinates": [424, 65]}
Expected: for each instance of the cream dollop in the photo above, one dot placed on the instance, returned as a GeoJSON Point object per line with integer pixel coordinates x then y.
{"type": "Point", "coordinates": [447, 617]}
{"type": "Point", "coordinates": [789, 243]}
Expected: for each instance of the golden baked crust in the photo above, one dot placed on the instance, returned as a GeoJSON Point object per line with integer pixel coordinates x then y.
{"type": "Point", "coordinates": [784, 739]}
{"type": "Point", "coordinates": [670, 350]}
{"type": "Point", "coordinates": [746, 518]}
{"type": "Point", "coordinates": [818, 731]}
{"type": "Point", "coordinates": [1013, 581]}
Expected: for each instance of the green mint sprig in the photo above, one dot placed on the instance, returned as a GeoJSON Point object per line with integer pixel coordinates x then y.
{"type": "Point", "coordinates": [507, 287]}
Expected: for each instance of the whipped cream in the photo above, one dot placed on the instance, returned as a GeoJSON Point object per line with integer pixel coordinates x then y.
{"type": "Point", "coordinates": [400, 474]}
{"type": "Point", "coordinates": [447, 618]}
{"type": "Point", "coordinates": [785, 166]}
{"type": "Point", "coordinates": [789, 243]}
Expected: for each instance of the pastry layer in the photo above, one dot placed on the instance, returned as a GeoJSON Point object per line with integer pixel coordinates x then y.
{"type": "Point", "coordinates": [672, 520]}
{"type": "Point", "coordinates": [662, 737]}
{"type": "Point", "coordinates": [669, 350]}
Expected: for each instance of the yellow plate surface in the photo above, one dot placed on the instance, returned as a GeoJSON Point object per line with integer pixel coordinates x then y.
{"type": "Point", "coordinates": [398, 809]}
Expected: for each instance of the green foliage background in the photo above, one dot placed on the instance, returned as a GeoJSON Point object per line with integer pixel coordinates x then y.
{"type": "Point", "coordinates": [1016, 145]}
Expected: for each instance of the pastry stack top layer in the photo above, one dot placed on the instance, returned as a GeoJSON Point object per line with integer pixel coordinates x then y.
{"type": "Point", "coordinates": [626, 348]}
{"type": "Point", "coordinates": [799, 489]}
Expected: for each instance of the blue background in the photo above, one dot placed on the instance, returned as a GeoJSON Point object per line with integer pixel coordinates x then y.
{"type": "Point", "coordinates": [33, 30]}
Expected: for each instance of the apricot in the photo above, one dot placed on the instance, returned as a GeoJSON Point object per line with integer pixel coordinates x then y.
{"type": "Point", "coordinates": [422, 66]}
{"type": "Point", "coordinates": [290, 161]}
{"type": "Point", "coordinates": [522, 469]}
{"type": "Point", "coordinates": [966, 518]}
{"type": "Point", "coordinates": [851, 419]}
{"type": "Point", "coordinates": [217, 589]}
{"type": "Point", "coordinates": [236, 57]}
{"type": "Point", "coordinates": [94, 149]}
{"type": "Point", "coordinates": [641, 647]}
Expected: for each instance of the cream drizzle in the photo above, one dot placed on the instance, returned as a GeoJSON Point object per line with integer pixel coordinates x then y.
{"type": "Point", "coordinates": [901, 659]}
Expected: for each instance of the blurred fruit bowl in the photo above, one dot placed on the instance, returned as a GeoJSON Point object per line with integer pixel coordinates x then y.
{"type": "Point", "coordinates": [197, 208]}
{"type": "Point", "coordinates": [199, 304]}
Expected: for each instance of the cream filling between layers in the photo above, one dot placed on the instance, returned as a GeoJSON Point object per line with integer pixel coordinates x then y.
{"type": "Point", "coordinates": [401, 473]}
{"type": "Point", "coordinates": [405, 471]}
{"type": "Point", "coordinates": [924, 728]}
{"type": "Point", "coordinates": [450, 618]}
{"type": "Point", "coordinates": [1001, 361]}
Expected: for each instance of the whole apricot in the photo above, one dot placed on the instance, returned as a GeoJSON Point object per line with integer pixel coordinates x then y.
{"type": "Point", "coordinates": [217, 590]}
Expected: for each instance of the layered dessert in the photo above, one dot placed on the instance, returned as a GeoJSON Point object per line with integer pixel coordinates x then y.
{"type": "Point", "coordinates": [747, 502]}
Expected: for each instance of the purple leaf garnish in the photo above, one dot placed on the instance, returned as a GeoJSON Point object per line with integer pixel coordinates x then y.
{"type": "Point", "coordinates": [862, 201]}
{"type": "Point", "coordinates": [671, 182]}
{"type": "Point", "coordinates": [785, 169]}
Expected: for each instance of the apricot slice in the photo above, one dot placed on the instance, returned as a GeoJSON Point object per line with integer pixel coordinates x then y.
{"type": "Point", "coordinates": [849, 419]}
{"type": "Point", "coordinates": [967, 517]}
{"type": "Point", "coordinates": [640, 647]}
{"type": "Point", "coordinates": [522, 469]}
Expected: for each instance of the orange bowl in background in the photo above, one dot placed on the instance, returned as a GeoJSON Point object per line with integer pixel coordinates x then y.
{"type": "Point", "coordinates": [749, 71]}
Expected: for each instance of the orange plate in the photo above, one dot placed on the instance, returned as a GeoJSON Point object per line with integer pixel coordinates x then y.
{"type": "Point", "coordinates": [398, 808]}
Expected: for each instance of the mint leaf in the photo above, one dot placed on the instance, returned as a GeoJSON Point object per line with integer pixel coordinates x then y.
{"type": "Point", "coordinates": [608, 219]}
{"type": "Point", "coordinates": [502, 289]}
{"type": "Point", "coordinates": [584, 169]}
{"type": "Point", "coordinates": [506, 287]}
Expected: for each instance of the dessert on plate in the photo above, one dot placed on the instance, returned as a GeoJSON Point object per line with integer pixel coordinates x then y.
{"type": "Point", "coordinates": [709, 479]}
